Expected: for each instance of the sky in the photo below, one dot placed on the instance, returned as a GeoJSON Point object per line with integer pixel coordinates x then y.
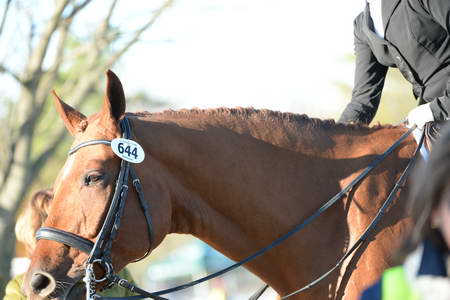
{"type": "Point", "coordinates": [286, 55]}
{"type": "Point", "coordinates": [283, 55]}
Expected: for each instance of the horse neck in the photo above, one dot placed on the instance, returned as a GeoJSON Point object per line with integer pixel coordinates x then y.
{"type": "Point", "coordinates": [229, 184]}
{"type": "Point", "coordinates": [221, 178]}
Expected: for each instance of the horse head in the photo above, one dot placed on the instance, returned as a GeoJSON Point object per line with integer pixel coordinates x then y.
{"type": "Point", "coordinates": [84, 190]}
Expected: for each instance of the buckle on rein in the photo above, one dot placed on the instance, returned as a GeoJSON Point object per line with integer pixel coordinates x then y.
{"type": "Point", "coordinates": [91, 281]}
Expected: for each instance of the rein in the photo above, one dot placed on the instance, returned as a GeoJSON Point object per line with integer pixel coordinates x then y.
{"type": "Point", "coordinates": [100, 251]}
{"type": "Point", "coordinates": [398, 185]}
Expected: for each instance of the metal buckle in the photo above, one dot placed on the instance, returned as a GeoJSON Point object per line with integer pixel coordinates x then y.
{"type": "Point", "coordinates": [107, 267]}
{"type": "Point", "coordinates": [137, 185]}
{"type": "Point", "coordinates": [124, 191]}
{"type": "Point", "coordinates": [136, 182]}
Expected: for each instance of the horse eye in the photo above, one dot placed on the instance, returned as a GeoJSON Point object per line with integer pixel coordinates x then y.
{"type": "Point", "coordinates": [91, 179]}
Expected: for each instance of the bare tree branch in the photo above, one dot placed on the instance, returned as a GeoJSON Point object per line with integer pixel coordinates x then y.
{"type": "Point", "coordinates": [5, 14]}
{"type": "Point", "coordinates": [77, 9]}
{"type": "Point", "coordinates": [138, 33]}
{"type": "Point", "coordinates": [37, 56]}
{"type": "Point", "coordinates": [62, 43]}
{"type": "Point", "coordinates": [83, 86]}
{"type": "Point", "coordinates": [93, 69]}
{"type": "Point", "coordinates": [51, 75]}
{"type": "Point", "coordinates": [24, 162]}
{"type": "Point", "coordinates": [105, 25]}
{"type": "Point", "coordinates": [4, 69]}
{"type": "Point", "coordinates": [93, 51]}
{"type": "Point", "coordinates": [103, 35]}
{"type": "Point", "coordinates": [8, 166]}
{"type": "Point", "coordinates": [43, 158]}
{"type": "Point", "coordinates": [31, 32]}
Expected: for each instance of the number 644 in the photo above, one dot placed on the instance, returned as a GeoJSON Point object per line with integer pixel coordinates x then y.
{"type": "Point", "coordinates": [130, 152]}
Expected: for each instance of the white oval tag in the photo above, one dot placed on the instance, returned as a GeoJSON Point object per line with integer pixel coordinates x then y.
{"type": "Point", "coordinates": [128, 150]}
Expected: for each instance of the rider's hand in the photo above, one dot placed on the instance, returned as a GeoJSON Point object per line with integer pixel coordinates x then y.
{"type": "Point", "coordinates": [420, 115]}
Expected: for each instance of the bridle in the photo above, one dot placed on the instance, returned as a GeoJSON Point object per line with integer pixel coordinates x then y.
{"type": "Point", "coordinates": [100, 251]}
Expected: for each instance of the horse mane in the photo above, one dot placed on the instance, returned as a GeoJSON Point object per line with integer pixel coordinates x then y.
{"type": "Point", "coordinates": [247, 113]}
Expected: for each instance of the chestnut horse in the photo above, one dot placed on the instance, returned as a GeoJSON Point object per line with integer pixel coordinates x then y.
{"type": "Point", "coordinates": [236, 179]}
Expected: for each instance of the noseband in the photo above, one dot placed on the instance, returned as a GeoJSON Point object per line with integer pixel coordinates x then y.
{"type": "Point", "coordinates": [100, 251]}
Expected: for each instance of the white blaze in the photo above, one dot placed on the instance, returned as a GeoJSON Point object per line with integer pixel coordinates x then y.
{"type": "Point", "coordinates": [68, 166]}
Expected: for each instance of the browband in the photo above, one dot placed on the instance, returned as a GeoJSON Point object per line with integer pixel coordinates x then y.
{"type": "Point", "coordinates": [88, 143]}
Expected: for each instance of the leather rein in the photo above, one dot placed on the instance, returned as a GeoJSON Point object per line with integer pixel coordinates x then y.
{"type": "Point", "coordinates": [100, 251]}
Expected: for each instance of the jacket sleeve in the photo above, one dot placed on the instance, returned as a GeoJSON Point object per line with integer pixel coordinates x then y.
{"type": "Point", "coordinates": [14, 289]}
{"type": "Point", "coordinates": [368, 84]}
{"type": "Point", "coordinates": [372, 292]}
{"type": "Point", "coordinates": [439, 10]}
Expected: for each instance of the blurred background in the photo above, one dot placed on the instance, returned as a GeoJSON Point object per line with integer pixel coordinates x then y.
{"type": "Point", "coordinates": [285, 55]}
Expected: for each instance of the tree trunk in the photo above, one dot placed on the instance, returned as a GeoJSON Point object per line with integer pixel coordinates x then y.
{"type": "Point", "coordinates": [11, 194]}
{"type": "Point", "coordinates": [7, 249]}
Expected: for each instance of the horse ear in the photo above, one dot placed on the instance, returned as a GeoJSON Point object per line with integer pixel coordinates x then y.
{"type": "Point", "coordinates": [74, 120]}
{"type": "Point", "coordinates": [114, 102]}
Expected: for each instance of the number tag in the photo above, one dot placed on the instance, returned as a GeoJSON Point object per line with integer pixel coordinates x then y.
{"type": "Point", "coordinates": [128, 150]}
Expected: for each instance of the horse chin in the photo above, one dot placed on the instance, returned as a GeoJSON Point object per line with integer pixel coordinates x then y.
{"type": "Point", "coordinates": [74, 291]}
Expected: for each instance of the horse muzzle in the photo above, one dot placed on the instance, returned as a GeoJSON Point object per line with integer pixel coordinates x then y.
{"type": "Point", "coordinates": [43, 286]}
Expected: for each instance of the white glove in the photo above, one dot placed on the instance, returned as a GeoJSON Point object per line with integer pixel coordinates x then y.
{"type": "Point", "coordinates": [420, 115]}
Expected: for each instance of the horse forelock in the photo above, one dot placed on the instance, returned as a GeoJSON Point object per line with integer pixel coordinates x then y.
{"type": "Point", "coordinates": [97, 128]}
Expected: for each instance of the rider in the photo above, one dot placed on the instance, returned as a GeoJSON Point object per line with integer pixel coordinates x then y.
{"type": "Point", "coordinates": [425, 269]}
{"type": "Point", "coordinates": [29, 221]}
{"type": "Point", "coordinates": [413, 36]}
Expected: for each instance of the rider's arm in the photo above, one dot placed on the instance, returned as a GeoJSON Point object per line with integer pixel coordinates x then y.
{"type": "Point", "coordinates": [439, 10]}
{"type": "Point", "coordinates": [369, 81]}
{"type": "Point", "coordinates": [373, 292]}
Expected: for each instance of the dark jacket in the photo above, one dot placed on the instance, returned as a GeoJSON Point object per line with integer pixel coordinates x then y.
{"type": "Point", "coordinates": [432, 263]}
{"type": "Point", "coordinates": [417, 41]}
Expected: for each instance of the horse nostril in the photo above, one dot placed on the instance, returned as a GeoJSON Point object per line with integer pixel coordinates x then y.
{"type": "Point", "coordinates": [39, 282]}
